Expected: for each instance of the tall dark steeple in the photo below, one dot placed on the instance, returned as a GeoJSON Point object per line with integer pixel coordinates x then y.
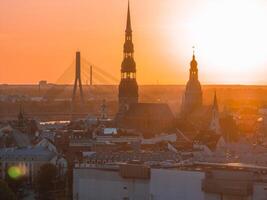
{"type": "Point", "coordinates": [193, 93]}
{"type": "Point", "coordinates": [128, 88]}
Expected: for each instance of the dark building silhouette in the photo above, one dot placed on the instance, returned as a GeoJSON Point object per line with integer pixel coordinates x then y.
{"type": "Point", "coordinates": [147, 118]}
{"type": "Point", "coordinates": [193, 93]}
{"type": "Point", "coordinates": [78, 80]}
{"type": "Point", "coordinates": [128, 88]}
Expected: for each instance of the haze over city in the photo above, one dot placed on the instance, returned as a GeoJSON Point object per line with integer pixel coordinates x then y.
{"type": "Point", "coordinates": [38, 39]}
{"type": "Point", "coordinates": [131, 99]}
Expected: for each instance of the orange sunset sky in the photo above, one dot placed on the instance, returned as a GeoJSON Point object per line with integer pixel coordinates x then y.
{"type": "Point", "coordinates": [38, 39]}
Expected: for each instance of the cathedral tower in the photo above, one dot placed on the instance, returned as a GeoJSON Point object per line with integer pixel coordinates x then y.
{"type": "Point", "coordinates": [128, 88]}
{"type": "Point", "coordinates": [193, 93]}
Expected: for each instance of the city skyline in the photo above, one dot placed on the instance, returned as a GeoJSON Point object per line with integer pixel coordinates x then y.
{"type": "Point", "coordinates": [164, 33]}
{"type": "Point", "coordinates": [131, 99]}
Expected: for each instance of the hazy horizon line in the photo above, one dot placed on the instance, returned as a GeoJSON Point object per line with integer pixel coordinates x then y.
{"type": "Point", "coordinates": [209, 84]}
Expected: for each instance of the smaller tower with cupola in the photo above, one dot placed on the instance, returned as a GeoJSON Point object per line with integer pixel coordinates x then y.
{"type": "Point", "coordinates": [193, 93]}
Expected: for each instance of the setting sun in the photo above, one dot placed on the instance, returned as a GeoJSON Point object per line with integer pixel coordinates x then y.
{"type": "Point", "coordinates": [232, 36]}
{"type": "Point", "coordinates": [230, 39]}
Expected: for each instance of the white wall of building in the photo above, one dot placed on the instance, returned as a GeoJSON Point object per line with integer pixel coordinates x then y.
{"type": "Point", "coordinates": [164, 184]}
{"type": "Point", "coordinates": [91, 184]}
{"type": "Point", "coordinates": [211, 196]}
{"type": "Point", "coordinates": [176, 185]}
{"type": "Point", "coordinates": [260, 191]}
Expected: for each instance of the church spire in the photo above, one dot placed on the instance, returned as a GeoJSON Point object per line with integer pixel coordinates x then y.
{"type": "Point", "coordinates": [215, 116]}
{"type": "Point", "coordinates": [128, 88]}
{"type": "Point", "coordinates": [128, 25]}
{"type": "Point", "coordinates": [128, 49]}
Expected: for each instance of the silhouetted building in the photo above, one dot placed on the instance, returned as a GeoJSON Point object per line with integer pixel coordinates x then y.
{"type": "Point", "coordinates": [193, 93]}
{"type": "Point", "coordinates": [149, 118]}
{"type": "Point", "coordinates": [207, 125]}
{"type": "Point", "coordinates": [24, 124]}
{"type": "Point", "coordinates": [29, 159]}
{"type": "Point", "coordinates": [12, 137]}
{"type": "Point", "coordinates": [43, 83]}
{"type": "Point", "coordinates": [128, 88]}
{"type": "Point", "coordinates": [229, 128]}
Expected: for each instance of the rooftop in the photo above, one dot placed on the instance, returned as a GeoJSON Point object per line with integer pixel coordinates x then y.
{"type": "Point", "coordinates": [37, 153]}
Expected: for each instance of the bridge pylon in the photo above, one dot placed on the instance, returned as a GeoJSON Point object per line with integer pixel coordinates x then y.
{"type": "Point", "coordinates": [78, 80]}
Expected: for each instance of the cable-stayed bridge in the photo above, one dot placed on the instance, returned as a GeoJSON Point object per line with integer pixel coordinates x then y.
{"type": "Point", "coordinates": [81, 73]}
{"type": "Point", "coordinates": [98, 76]}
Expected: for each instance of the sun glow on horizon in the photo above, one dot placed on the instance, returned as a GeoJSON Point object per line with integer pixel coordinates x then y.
{"type": "Point", "coordinates": [230, 38]}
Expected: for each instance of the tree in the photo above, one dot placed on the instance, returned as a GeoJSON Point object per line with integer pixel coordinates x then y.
{"type": "Point", "coordinates": [5, 192]}
{"type": "Point", "coordinates": [46, 179]}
